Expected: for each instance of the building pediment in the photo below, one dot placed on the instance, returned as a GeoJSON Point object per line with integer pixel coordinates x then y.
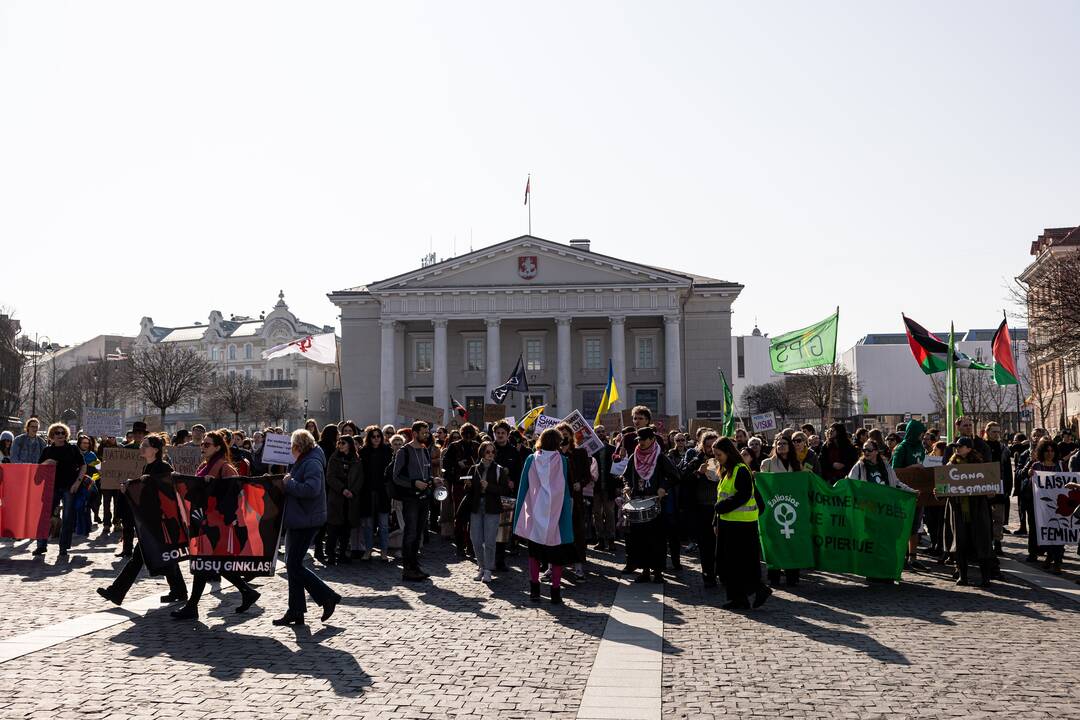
{"type": "Point", "coordinates": [530, 262]}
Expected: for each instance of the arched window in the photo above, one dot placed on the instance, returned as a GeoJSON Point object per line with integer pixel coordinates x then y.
{"type": "Point", "coordinates": [247, 351]}
{"type": "Point", "coordinates": [232, 352]}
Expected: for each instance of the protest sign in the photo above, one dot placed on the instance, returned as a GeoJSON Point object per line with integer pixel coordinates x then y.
{"type": "Point", "coordinates": [103, 422]}
{"type": "Point", "coordinates": [118, 465]}
{"type": "Point", "coordinates": [618, 467]}
{"type": "Point", "coordinates": [233, 524]}
{"type": "Point", "coordinates": [666, 423]}
{"type": "Point", "coordinates": [967, 480]}
{"type": "Point", "coordinates": [277, 449]}
{"type": "Point", "coordinates": [185, 459]}
{"type": "Point", "coordinates": [419, 411]}
{"type": "Point", "coordinates": [627, 416]}
{"type": "Point", "coordinates": [163, 538]}
{"type": "Point", "coordinates": [153, 423]}
{"type": "Point", "coordinates": [612, 421]}
{"type": "Point", "coordinates": [543, 423]}
{"type": "Point", "coordinates": [494, 413]}
{"type": "Point", "coordinates": [933, 461]}
{"type": "Point", "coordinates": [509, 420]}
{"type": "Point", "coordinates": [1055, 508]}
{"type": "Point", "coordinates": [851, 527]}
{"type": "Point", "coordinates": [921, 479]}
{"type": "Point", "coordinates": [584, 435]}
{"type": "Point", "coordinates": [26, 493]}
{"type": "Point", "coordinates": [765, 422]}
{"type": "Point", "coordinates": [698, 423]}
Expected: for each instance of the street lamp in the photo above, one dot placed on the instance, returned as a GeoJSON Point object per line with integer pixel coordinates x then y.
{"type": "Point", "coordinates": [37, 349]}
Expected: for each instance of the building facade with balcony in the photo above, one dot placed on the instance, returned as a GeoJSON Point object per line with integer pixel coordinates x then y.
{"type": "Point", "coordinates": [457, 327]}
{"type": "Point", "coordinates": [297, 387]}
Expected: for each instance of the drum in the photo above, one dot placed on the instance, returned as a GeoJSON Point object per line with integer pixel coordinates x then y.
{"type": "Point", "coordinates": [441, 493]}
{"type": "Point", "coordinates": [641, 510]}
{"type": "Point", "coordinates": [506, 519]}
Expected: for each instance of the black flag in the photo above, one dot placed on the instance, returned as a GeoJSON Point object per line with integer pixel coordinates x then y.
{"type": "Point", "coordinates": [517, 383]}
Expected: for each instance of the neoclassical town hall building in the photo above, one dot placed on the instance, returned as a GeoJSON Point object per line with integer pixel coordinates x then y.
{"type": "Point", "coordinates": [457, 327]}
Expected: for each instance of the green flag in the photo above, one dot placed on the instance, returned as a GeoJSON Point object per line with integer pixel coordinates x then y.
{"type": "Point", "coordinates": [852, 527]}
{"type": "Point", "coordinates": [865, 406]}
{"type": "Point", "coordinates": [728, 429]}
{"type": "Point", "coordinates": [953, 407]}
{"type": "Point", "coordinates": [810, 347]}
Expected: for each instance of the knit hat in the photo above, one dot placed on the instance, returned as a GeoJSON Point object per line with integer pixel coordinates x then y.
{"type": "Point", "coordinates": [7, 435]}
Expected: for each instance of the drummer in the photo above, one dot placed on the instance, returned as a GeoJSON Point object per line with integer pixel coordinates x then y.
{"type": "Point", "coordinates": [649, 474]}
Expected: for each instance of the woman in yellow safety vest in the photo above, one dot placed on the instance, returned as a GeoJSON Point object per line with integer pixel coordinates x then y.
{"type": "Point", "coordinates": [738, 550]}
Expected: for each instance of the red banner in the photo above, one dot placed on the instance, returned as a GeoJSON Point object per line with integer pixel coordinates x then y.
{"type": "Point", "coordinates": [26, 493]}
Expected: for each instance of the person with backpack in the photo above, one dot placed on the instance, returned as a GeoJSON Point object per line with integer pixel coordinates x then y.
{"type": "Point", "coordinates": [413, 484]}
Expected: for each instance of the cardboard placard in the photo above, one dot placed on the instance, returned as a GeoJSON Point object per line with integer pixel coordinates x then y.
{"type": "Point", "coordinates": [584, 435]}
{"type": "Point", "coordinates": [119, 465]}
{"type": "Point", "coordinates": [153, 423]}
{"type": "Point", "coordinates": [667, 423]}
{"type": "Point", "coordinates": [697, 423]}
{"type": "Point", "coordinates": [103, 422]}
{"type": "Point", "coordinates": [967, 480]}
{"type": "Point", "coordinates": [921, 479]}
{"type": "Point", "coordinates": [185, 459]}
{"type": "Point", "coordinates": [277, 449]}
{"type": "Point", "coordinates": [411, 410]}
{"type": "Point", "coordinates": [612, 422]}
{"type": "Point", "coordinates": [494, 413]}
{"type": "Point", "coordinates": [627, 417]}
{"type": "Point", "coordinates": [765, 422]}
{"type": "Point", "coordinates": [509, 420]}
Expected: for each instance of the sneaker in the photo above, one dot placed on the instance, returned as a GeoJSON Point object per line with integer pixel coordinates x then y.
{"type": "Point", "coordinates": [546, 577]}
{"type": "Point", "coordinates": [486, 577]}
{"type": "Point", "coordinates": [366, 556]}
{"type": "Point", "coordinates": [38, 551]}
{"type": "Point", "coordinates": [479, 576]}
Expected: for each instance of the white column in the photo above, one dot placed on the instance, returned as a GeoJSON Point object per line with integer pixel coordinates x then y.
{"type": "Point", "coordinates": [401, 363]}
{"type": "Point", "coordinates": [672, 367]}
{"type": "Point", "coordinates": [494, 356]}
{"type": "Point", "coordinates": [440, 379]}
{"type": "Point", "coordinates": [564, 386]}
{"type": "Point", "coordinates": [387, 372]}
{"type": "Point", "coordinates": [618, 359]}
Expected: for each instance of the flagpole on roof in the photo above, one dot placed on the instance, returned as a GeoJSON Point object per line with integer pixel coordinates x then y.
{"type": "Point", "coordinates": [528, 198]}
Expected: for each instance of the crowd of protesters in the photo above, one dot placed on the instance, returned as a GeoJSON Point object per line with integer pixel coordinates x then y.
{"type": "Point", "coordinates": [498, 491]}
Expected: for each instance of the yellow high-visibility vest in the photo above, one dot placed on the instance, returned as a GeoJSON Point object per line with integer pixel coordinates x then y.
{"type": "Point", "coordinates": [726, 488]}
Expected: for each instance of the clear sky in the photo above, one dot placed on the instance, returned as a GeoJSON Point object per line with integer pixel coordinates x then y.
{"type": "Point", "coordinates": [166, 159]}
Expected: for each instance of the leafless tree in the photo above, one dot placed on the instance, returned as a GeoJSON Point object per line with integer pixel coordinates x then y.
{"type": "Point", "coordinates": [278, 407]}
{"type": "Point", "coordinates": [780, 397]}
{"type": "Point", "coordinates": [819, 386]}
{"type": "Point", "coordinates": [164, 375]}
{"type": "Point", "coordinates": [1051, 297]}
{"type": "Point", "coordinates": [238, 394]}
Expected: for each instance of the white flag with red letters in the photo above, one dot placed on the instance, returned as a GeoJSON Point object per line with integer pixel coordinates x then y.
{"type": "Point", "coordinates": [320, 348]}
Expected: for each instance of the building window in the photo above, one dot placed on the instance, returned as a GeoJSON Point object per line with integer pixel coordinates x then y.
{"type": "Point", "coordinates": [247, 351]}
{"type": "Point", "coordinates": [288, 373]}
{"type": "Point", "coordinates": [280, 374]}
{"type": "Point", "coordinates": [425, 399]}
{"type": "Point", "coordinates": [741, 359]}
{"type": "Point", "coordinates": [648, 398]}
{"type": "Point", "coordinates": [474, 406]}
{"type": "Point", "coordinates": [232, 375]}
{"type": "Point", "coordinates": [213, 355]}
{"type": "Point", "coordinates": [534, 354]}
{"type": "Point", "coordinates": [247, 373]}
{"type": "Point", "coordinates": [232, 352]}
{"type": "Point", "coordinates": [590, 401]}
{"type": "Point", "coordinates": [533, 400]}
{"type": "Point", "coordinates": [474, 354]}
{"type": "Point", "coordinates": [593, 358]}
{"type": "Point", "coordinates": [646, 353]}
{"type": "Point", "coordinates": [422, 351]}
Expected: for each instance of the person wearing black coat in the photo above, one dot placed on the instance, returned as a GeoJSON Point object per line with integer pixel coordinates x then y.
{"type": "Point", "coordinates": [838, 455]}
{"type": "Point", "coordinates": [606, 489]}
{"type": "Point", "coordinates": [699, 484]}
{"type": "Point", "coordinates": [738, 548]}
{"type": "Point", "coordinates": [344, 483]}
{"type": "Point", "coordinates": [370, 509]}
{"type": "Point", "coordinates": [649, 473]}
{"type": "Point", "coordinates": [458, 459]}
{"type": "Point", "coordinates": [512, 457]}
{"type": "Point", "coordinates": [484, 490]}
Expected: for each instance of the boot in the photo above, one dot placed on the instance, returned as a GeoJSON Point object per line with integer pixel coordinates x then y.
{"type": "Point", "coordinates": [247, 599]}
{"type": "Point", "coordinates": [290, 618]}
{"type": "Point", "coordinates": [962, 569]}
{"type": "Point", "coordinates": [534, 591]}
{"type": "Point", "coordinates": [556, 595]}
{"type": "Point", "coordinates": [320, 549]}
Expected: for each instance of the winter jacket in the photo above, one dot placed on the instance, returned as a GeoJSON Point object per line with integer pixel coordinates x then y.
{"type": "Point", "coordinates": [860, 471]}
{"type": "Point", "coordinates": [305, 491]}
{"type": "Point", "coordinates": [343, 472]}
{"type": "Point", "coordinates": [27, 449]}
{"type": "Point", "coordinates": [498, 484]}
{"type": "Point", "coordinates": [910, 451]}
{"type": "Point", "coordinates": [374, 496]}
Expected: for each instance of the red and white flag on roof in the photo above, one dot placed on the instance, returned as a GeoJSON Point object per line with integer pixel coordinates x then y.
{"type": "Point", "coordinates": [319, 348]}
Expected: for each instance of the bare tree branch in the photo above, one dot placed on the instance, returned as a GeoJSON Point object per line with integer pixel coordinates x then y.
{"type": "Point", "coordinates": [164, 375]}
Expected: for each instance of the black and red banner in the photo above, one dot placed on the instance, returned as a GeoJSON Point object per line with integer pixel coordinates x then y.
{"type": "Point", "coordinates": [26, 493]}
{"type": "Point", "coordinates": [163, 537]}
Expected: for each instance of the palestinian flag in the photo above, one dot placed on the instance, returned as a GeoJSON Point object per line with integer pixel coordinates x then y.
{"type": "Point", "coordinates": [932, 353]}
{"type": "Point", "coordinates": [459, 409]}
{"type": "Point", "coordinates": [1004, 364]}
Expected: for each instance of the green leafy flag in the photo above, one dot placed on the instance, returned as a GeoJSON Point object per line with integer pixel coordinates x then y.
{"type": "Point", "coordinates": [728, 429]}
{"type": "Point", "coordinates": [852, 527]}
{"type": "Point", "coordinates": [810, 347]}
{"type": "Point", "coordinates": [954, 408]}
{"type": "Point", "coordinates": [865, 405]}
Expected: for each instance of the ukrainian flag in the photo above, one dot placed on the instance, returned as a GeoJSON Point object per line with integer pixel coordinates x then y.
{"type": "Point", "coordinates": [611, 395]}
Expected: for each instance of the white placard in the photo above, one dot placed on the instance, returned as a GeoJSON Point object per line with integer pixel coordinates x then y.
{"type": "Point", "coordinates": [103, 422]}
{"type": "Point", "coordinates": [544, 422]}
{"type": "Point", "coordinates": [584, 435]}
{"type": "Point", "coordinates": [764, 422]}
{"type": "Point", "coordinates": [933, 461]}
{"type": "Point", "coordinates": [277, 449]}
{"type": "Point", "coordinates": [619, 467]}
{"type": "Point", "coordinates": [1055, 508]}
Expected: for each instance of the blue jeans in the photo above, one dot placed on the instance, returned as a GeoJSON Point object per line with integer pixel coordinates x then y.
{"type": "Point", "coordinates": [368, 524]}
{"type": "Point", "coordinates": [301, 578]}
{"type": "Point", "coordinates": [67, 520]}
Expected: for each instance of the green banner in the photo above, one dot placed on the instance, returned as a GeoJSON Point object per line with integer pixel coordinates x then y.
{"type": "Point", "coordinates": [851, 527]}
{"type": "Point", "coordinates": [810, 347]}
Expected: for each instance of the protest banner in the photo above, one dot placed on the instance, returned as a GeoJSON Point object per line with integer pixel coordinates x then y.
{"type": "Point", "coordinates": [185, 459]}
{"type": "Point", "coordinates": [612, 422]}
{"type": "Point", "coordinates": [765, 422]}
{"type": "Point", "coordinates": [494, 413]}
{"type": "Point", "coordinates": [118, 465]}
{"type": "Point", "coordinates": [967, 480]}
{"type": "Point", "coordinates": [584, 435]}
{"type": "Point", "coordinates": [698, 423]}
{"type": "Point", "coordinates": [509, 420]}
{"type": "Point", "coordinates": [666, 423]}
{"type": "Point", "coordinates": [543, 423]}
{"type": "Point", "coordinates": [153, 423]}
{"type": "Point", "coordinates": [26, 492]}
{"type": "Point", "coordinates": [277, 449]}
{"type": "Point", "coordinates": [233, 524]}
{"type": "Point", "coordinates": [851, 527]}
{"type": "Point", "coordinates": [163, 538]}
{"type": "Point", "coordinates": [419, 411]}
{"type": "Point", "coordinates": [103, 422]}
{"type": "Point", "coordinates": [1055, 508]}
{"type": "Point", "coordinates": [921, 479]}
{"type": "Point", "coordinates": [933, 461]}
{"type": "Point", "coordinates": [627, 416]}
